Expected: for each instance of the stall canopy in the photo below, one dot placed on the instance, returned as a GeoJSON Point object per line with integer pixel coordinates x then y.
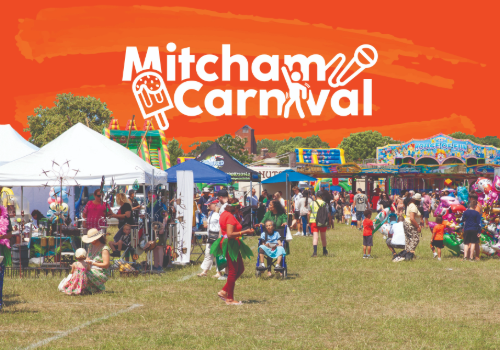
{"type": "Point", "coordinates": [202, 173]}
{"type": "Point", "coordinates": [90, 153]}
{"type": "Point", "coordinates": [14, 145]}
{"type": "Point", "coordinates": [217, 157]}
{"type": "Point", "coordinates": [288, 176]}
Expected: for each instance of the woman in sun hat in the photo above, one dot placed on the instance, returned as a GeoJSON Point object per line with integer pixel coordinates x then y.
{"type": "Point", "coordinates": [98, 260]}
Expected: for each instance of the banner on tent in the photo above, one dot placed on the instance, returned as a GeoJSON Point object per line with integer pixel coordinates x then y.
{"type": "Point", "coordinates": [185, 191]}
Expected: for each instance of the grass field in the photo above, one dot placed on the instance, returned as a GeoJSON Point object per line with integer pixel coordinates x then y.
{"type": "Point", "coordinates": [340, 301]}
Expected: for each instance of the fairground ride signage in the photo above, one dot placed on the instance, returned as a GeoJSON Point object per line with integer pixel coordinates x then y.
{"type": "Point", "coordinates": [154, 99]}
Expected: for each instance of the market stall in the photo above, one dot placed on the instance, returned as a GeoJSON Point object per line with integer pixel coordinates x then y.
{"type": "Point", "coordinates": [80, 156]}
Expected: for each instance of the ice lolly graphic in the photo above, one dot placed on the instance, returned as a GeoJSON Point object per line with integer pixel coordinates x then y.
{"type": "Point", "coordinates": [152, 97]}
{"type": "Point", "coordinates": [362, 51]}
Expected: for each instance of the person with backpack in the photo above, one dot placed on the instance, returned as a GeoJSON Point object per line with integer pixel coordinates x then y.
{"type": "Point", "coordinates": [318, 221]}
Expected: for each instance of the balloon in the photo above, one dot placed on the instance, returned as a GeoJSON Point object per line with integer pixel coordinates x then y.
{"type": "Point", "coordinates": [496, 183]}
{"type": "Point", "coordinates": [448, 201]}
{"type": "Point", "coordinates": [432, 224]}
{"type": "Point", "coordinates": [453, 244]}
{"type": "Point", "coordinates": [463, 195]}
{"type": "Point", "coordinates": [457, 208]}
{"type": "Point", "coordinates": [64, 207]}
{"type": "Point", "coordinates": [380, 219]}
{"type": "Point", "coordinates": [484, 185]}
{"type": "Point", "coordinates": [385, 229]}
{"type": "Point", "coordinates": [487, 250]}
{"type": "Point", "coordinates": [448, 218]}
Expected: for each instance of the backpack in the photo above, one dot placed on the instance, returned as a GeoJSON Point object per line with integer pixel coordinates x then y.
{"type": "Point", "coordinates": [321, 215]}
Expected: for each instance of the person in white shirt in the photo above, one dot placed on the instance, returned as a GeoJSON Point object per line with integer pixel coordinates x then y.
{"type": "Point", "coordinates": [296, 214]}
{"type": "Point", "coordinates": [213, 228]}
{"type": "Point", "coordinates": [253, 200]}
{"type": "Point", "coordinates": [303, 206]}
{"type": "Point", "coordinates": [277, 196]}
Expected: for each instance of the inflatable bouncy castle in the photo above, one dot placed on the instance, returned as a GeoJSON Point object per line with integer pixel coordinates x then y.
{"type": "Point", "coordinates": [149, 144]}
{"type": "Point", "coordinates": [320, 156]}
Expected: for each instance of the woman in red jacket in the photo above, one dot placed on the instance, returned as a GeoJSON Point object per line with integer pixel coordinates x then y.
{"type": "Point", "coordinates": [233, 248]}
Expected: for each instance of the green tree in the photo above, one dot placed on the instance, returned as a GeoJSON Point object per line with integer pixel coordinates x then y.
{"type": "Point", "coordinates": [363, 145]}
{"type": "Point", "coordinates": [235, 146]}
{"type": "Point", "coordinates": [48, 123]}
{"type": "Point", "coordinates": [485, 141]}
{"type": "Point", "coordinates": [175, 150]}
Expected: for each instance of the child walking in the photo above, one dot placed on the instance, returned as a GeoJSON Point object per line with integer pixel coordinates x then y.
{"type": "Point", "coordinates": [78, 281]}
{"type": "Point", "coordinates": [347, 214]}
{"type": "Point", "coordinates": [354, 220]}
{"type": "Point", "coordinates": [438, 237]}
{"type": "Point", "coordinates": [367, 235]}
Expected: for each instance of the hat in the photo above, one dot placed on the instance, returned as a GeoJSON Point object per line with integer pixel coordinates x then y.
{"type": "Point", "coordinates": [222, 193]}
{"type": "Point", "coordinates": [206, 190]}
{"type": "Point", "coordinates": [92, 235]}
{"type": "Point", "coordinates": [417, 196]}
{"type": "Point", "coordinates": [213, 202]}
{"type": "Point", "coordinates": [80, 253]}
{"type": "Point", "coordinates": [411, 191]}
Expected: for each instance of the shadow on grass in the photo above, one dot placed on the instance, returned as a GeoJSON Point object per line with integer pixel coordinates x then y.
{"type": "Point", "coordinates": [254, 301]}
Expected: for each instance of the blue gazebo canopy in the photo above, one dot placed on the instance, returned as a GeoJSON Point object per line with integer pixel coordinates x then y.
{"type": "Point", "coordinates": [282, 177]}
{"type": "Point", "coordinates": [202, 173]}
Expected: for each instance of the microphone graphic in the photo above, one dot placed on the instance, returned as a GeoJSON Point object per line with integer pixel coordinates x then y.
{"type": "Point", "coordinates": [361, 51]}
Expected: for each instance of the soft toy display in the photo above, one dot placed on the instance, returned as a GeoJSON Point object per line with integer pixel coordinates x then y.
{"type": "Point", "coordinates": [452, 208]}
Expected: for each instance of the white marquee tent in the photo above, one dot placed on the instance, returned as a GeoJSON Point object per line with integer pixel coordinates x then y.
{"type": "Point", "coordinates": [14, 146]}
{"type": "Point", "coordinates": [87, 151]}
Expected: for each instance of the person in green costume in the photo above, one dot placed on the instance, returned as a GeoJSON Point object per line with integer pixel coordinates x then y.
{"type": "Point", "coordinates": [276, 214]}
{"type": "Point", "coordinates": [231, 246]}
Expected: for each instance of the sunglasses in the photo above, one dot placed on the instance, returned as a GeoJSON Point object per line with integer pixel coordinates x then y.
{"type": "Point", "coordinates": [98, 195]}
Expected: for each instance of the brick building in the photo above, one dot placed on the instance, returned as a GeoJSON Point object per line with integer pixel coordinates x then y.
{"type": "Point", "coordinates": [247, 133]}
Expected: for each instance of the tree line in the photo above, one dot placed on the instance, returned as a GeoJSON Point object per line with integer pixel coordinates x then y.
{"type": "Point", "coordinates": [48, 123]}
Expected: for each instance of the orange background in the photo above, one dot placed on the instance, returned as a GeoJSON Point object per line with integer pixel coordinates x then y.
{"type": "Point", "coordinates": [436, 70]}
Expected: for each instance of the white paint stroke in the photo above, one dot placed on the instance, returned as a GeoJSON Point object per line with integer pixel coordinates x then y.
{"type": "Point", "coordinates": [77, 328]}
{"type": "Point", "coordinates": [185, 278]}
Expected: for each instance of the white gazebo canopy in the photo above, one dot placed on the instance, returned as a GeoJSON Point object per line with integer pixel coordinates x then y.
{"type": "Point", "coordinates": [14, 146]}
{"type": "Point", "coordinates": [87, 151]}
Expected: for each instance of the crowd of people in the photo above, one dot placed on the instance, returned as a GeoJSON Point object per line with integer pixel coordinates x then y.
{"type": "Point", "coordinates": [226, 222]}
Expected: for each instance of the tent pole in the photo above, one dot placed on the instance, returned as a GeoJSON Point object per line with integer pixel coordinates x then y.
{"type": "Point", "coordinates": [146, 211]}
{"type": "Point", "coordinates": [21, 232]}
{"type": "Point", "coordinates": [251, 209]}
{"type": "Point", "coordinates": [152, 214]}
{"type": "Point", "coordinates": [287, 199]}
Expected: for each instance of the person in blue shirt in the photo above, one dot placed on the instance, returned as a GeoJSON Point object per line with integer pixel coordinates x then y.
{"type": "Point", "coordinates": [272, 247]}
{"type": "Point", "coordinates": [472, 229]}
{"type": "Point", "coordinates": [203, 207]}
